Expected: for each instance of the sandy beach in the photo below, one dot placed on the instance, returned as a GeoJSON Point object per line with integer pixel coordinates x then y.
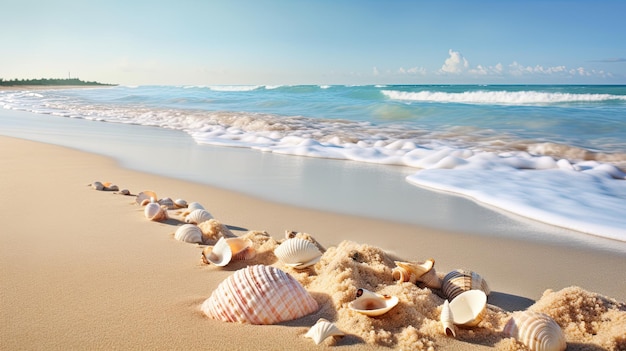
{"type": "Point", "coordinates": [84, 269]}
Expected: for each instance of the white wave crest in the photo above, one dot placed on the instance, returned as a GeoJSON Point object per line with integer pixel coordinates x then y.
{"type": "Point", "coordinates": [234, 87]}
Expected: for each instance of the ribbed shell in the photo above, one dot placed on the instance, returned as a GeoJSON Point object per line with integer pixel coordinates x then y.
{"type": "Point", "coordinates": [298, 253]}
{"type": "Point", "coordinates": [189, 233]}
{"type": "Point", "coordinates": [458, 281]}
{"type": "Point", "coordinates": [259, 295]}
{"type": "Point", "coordinates": [538, 331]}
{"type": "Point", "coordinates": [198, 216]}
{"type": "Point", "coordinates": [323, 329]}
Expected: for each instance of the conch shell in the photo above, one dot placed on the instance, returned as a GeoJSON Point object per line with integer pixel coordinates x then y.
{"type": "Point", "coordinates": [322, 330]}
{"type": "Point", "coordinates": [417, 272]}
{"type": "Point", "coordinates": [372, 304]}
{"type": "Point", "coordinates": [259, 295]}
{"type": "Point", "coordinates": [189, 233]}
{"type": "Point", "coordinates": [154, 212]}
{"type": "Point", "coordinates": [458, 281]}
{"type": "Point", "coordinates": [538, 331]}
{"type": "Point", "coordinates": [298, 253]}
{"type": "Point", "coordinates": [226, 250]}
{"type": "Point", "coordinates": [469, 308]}
{"type": "Point", "coordinates": [447, 320]}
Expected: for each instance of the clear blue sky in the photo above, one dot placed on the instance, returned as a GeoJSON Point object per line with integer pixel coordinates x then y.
{"type": "Point", "coordinates": [315, 42]}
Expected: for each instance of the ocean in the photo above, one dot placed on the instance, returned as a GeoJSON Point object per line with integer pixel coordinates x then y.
{"type": "Point", "coordinates": [552, 154]}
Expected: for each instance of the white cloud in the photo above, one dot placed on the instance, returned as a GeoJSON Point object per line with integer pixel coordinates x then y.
{"type": "Point", "coordinates": [412, 70]}
{"type": "Point", "coordinates": [375, 71]}
{"type": "Point", "coordinates": [456, 63]}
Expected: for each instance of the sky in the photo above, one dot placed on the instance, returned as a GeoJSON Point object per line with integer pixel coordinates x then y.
{"type": "Point", "coordinates": [206, 42]}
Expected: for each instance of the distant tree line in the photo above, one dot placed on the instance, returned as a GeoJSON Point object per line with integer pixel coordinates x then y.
{"type": "Point", "coordinates": [48, 81]}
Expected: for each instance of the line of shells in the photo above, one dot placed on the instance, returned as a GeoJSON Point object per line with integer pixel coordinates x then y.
{"type": "Point", "coordinates": [538, 331]}
{"type": "Point", "coordinates": [259, 294]}
{"type": "Point", "coordinates": [298, 253]}
{"type": "Point", "coordinates": [372, 304]}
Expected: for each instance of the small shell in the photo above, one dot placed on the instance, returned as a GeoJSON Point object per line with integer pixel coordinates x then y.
{"type": "Point", "coordinates": [189, 233]}
{"type": "Point", "coordinates": [97, 186]}
{"type": "Point", "coordinates": [469, 308]}
{"type": "Point", "coordinates": [298, 253]}
{"type": "Point", "coordinates": [180, 203]}
{"type": "Point", "coordinates": [259, 295]}
{"type": "Point", "coordinates": [447, 320]}
{"type": "Point", "coordinates": [111, 187]}
{"type": "Point", "coordinates": [125, 192]}
{"type": "Point", "coordinates": [372, 304]}
{"type": "Point", "coordinates": [538, 331]}
{"type": "Point", "coordinates": [145, 195]}
{"type": "Point", "coordinates": [220, 254]}
{"type": "Point", "coordinates": [458, 281]}
{"type": "Point", "coordinates": [198, 216]}
{"type": "Point", "coordinates": [192, 206]}
{"type": "Point", "coordinates": [322, 330]}
{"type": "Point", "coordinates": [167, 202]}
{"type": "Point", "coordinates": [417, 272]}
{"type": "Point", "coordinates": [154, 212]}
{"type": "Point", "coordinates": [242, 249]}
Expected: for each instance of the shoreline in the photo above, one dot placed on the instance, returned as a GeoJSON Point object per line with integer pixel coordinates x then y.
{"type": "Point", "coordinates": [89, 262]}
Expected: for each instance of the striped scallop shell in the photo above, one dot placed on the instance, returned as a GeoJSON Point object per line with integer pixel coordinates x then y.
{"type": "Point", "coordinates": [298, 253]}
{"type": "Point", "coordinates": [538, 331]}
{"type": "Point", "coordinates": [198, 216]}
{"type": "Point", "coordinates": [154, 212]}
{"type": "Point", "coordinates": [458, 281]}
{"type": "Point", "coordinates": [322, 330]}
{"type": "Point", "coordinates": [189, 233]}
{"type": "Point", "coordinates": [259, 295]}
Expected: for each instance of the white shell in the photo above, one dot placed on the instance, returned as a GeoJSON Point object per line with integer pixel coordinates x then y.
{"type": "Point", "coordinates": [417, 272]}
{"type": "Point", "coordinates": [538, 331]}
{"type": "Point", "coordinates": [447, 320]}
{"type": "Point", "coordinates": [220, 254]}
{"type": "Point", "coordinates": [298, 253]}
{"type": "Point", "coordinates": [154, 212]}
{"type": "Point", "coordinates": [322, 330]}
{"type": "Point", "coordinates": [469, 308]}
{"type": "Point", "coordinates": [180, 203]}
{"type": "Point", "coordinates": [458, 281]}
{"type": "Point", "coordinates": [242, 249]}
{"type": "Point", "coordinates": [372, 304]}
{"type": "Point", "coordinates": [198, 216]}
{"type": "Point", "coordinates": [259, 295]}
{"type": "Point", "coordinates": [167, 202]}
{"type": "Point", "coordinates": [145, 197]}
{"type": "Point", "coordinates": [194, 206]}
{"type": "Point", "coordinates": [189, 233]}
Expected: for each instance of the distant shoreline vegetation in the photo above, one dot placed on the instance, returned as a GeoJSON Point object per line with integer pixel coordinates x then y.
{"type": "Point", "coordinates": [50, 82]}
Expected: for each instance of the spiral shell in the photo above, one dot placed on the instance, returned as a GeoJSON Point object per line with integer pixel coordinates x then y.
{"type": "Point", "coordinates": [322, 330]}
{"type": "Point", "coordinates": [154, 212]}
{"type": "Point", "coordinates": [372, 304]}
{"type": "Point", "coordinates": [259, 295]}
{"type": "Point", "coordinates": [198, 216]}
{"type": "Point", "coordinates": [189, 233]}
{"type": "Point", "coordinates": [538, 331]}
{"type": "Point", "coordinates": [447, 320]}
{"type": "Point", "coordinates": [458, 281]}
{"type": "Point", "coordinates": [298, 253]}
{"type": "Point", "coordinates": [469, 308]}
{"type": "Point", "coordinates": [417, 272]}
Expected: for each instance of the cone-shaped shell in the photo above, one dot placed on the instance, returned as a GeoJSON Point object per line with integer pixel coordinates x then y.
{"type": "Point", "coordinates": [154, 212]}
{"type": "Point", "coordinates": [372, 304]}
{"type": "Point", "coordinates": [447, 320]}
{"type": "Point", "coordinates": [322, 330]}
{"type": "Point", "coordinates": [469, 308]}
{"type": "Point", "coordinates": [198, 216]}
{"type": "Point", "coordinates": [538, 331]}
{"type": "Point", "coordinates": [220, 254]}
{"type": "Point", "coordinates": [458, 281]}
{"type": "Point", "coordinates": [145, 195]}
{"type": "Point", "coordinates": [298, 253]}
{"type": "Point", "coordinates": [189, 233]}
{"type": "Point", "coordinates": [259, 295]}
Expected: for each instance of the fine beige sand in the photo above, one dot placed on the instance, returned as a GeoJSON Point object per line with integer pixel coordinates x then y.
{"type": "Point", "coordinates": [85, 270]}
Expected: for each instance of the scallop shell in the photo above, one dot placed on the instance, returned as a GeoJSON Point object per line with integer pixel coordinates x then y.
{"type": "Point", "coordinates": [192, 206]}
{"type": "Point", "coordinates": [372, 304]}
{"type": "Point", "coordinates": [220, 254]}
{"type": "Point", "coordinates": [154, 212]}
{"type": "Point", "coordinates": [458, 281]}
{"type": "Point", "coordinates": [180, 203]}
{"type": "Point", "coordinates": [298, 253]}
{"type": "Point", "coordinates": [259, 295]}
{"type": "Point", "coordinates": [417, 272]}
{"type": "Point", "coordinates": [145, 195]}
{"type": "Point", "coordinates": [198, 216]}
{"type": "Point", "coordinates": [447, 320]}
{"type": "Point", "coordinates": [189, 233]}
{"type": "Point", "coordinates": [469, 308]}
{"type": "Point", "coordinates": [538, 331]}
{"type": "Point", "coordinates": [322, 330]}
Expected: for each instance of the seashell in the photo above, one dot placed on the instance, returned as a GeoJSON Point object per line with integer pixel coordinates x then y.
{"type": "Point", "coordinates": [290, 234]}
{"type": "Point", "coordinates": [447, 320]}
{"type": "Point", "coordinates": [198, 216]}
{"type": "Point", "coordinates": [458, 281]}
{"type": "Point", "coordinates": [154, 212]}
{"type": "Point", "coordinates": [180, 203]}
{"type": "Point", "coordinates": [298, 253]}
{"type": "Point", "coordinates": [322, 330]}
{"type": "Point", "coordinates": [192, 206]}
{"type": "Point", "coordinates": [259, 295]}
{"type": "Point", "coordinates": [111, 187]}
{"type": "Point", "coordinates": [220, 254]}
{"type": "Point", "coordinates": [97, 186]}
{"type": "Point", "coordinates": [189, 233]}
{"type": "Point", "coordinates": [125, 192]}
{"type": "Point", "coordinates": [538, 331]}
{"type": "Point", "coordinates": [417, 272]}
{"type": "Point", "coordinates": [372, 304]}
{"type": "Point", "coordinates": [167, 202]}
{"type": "Point", "coordinates": [469, 308]}
{"type": "Point", "coordinates": [242, 249]}
{"type": "Point", "coordinates": [145, 195]}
